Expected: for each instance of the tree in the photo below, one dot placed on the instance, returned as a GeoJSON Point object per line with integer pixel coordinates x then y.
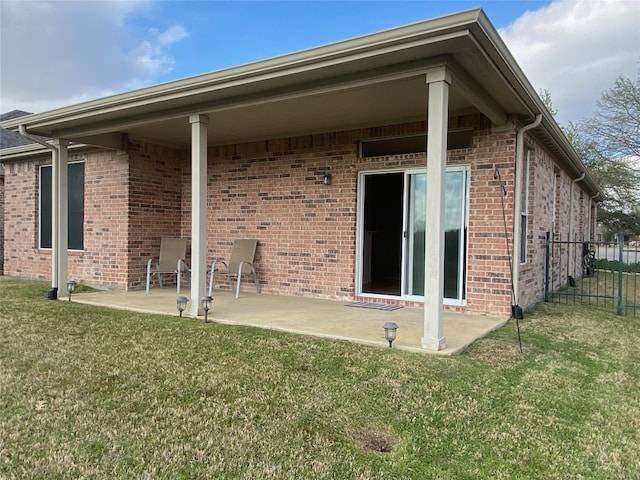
{"type": "Point", "coordinates": [609, 145]}
{"type": "Point", "coordinates": [616, 124]}
{"type": "Point", "coordinates": [545, 96]}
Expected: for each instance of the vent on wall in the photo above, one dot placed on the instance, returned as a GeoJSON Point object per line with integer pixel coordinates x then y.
{"type": "Point", "coordinates": [379, 147]}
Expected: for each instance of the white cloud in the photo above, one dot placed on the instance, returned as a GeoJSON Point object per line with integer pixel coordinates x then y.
{"type": "Point", "coordinates": [172, 35]}
{"type": "Point", "coordinates": [63, 52]}
{"type": "Point", "coordinates": [149, 55]}
{"type": "Point", "coordinates": [576, 49]}
{"type": "Point", "coordinates": [148, 58]}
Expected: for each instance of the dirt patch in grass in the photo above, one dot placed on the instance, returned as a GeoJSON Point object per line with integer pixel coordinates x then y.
{"type": "Point", "coordinates": [374, 438]}
{"type": "Point", "coordinates": [499, 352]}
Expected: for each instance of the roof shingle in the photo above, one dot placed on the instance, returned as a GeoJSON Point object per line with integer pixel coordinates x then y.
{"type": "Point", "coordinates": [8, 138]}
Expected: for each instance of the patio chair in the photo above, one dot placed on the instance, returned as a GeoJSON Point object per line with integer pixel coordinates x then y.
{"type": "Point", "coordinates": [171, 261]}
{"type": "Point", "coordinates": [241, 261]}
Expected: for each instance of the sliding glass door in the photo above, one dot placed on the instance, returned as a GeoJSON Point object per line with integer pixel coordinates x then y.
{"type": "Point", "coordinates": [393, 222]}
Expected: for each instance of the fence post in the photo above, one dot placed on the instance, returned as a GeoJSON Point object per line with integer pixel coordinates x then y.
{"type": "Point", "coordinates": [620, 257]}
{"type": "Point", "coordinates": [546, 266]}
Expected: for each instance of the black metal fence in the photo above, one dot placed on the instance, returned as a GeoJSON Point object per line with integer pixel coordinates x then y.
{"type": "Point", "coordinates": [603, 274]}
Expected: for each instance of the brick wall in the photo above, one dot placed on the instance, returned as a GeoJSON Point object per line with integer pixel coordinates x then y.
{"type": "Point", "coordinates": [155, 196]}
{"type": "Point", "coordinates": [273, 191]}
{"type": "Point", "coordinates": [545, 217]}
{"type": "Point", "coordinates": [104, 259]}
{"type": "Point", "coordinates": [22, 258]}
{"type": "Point", "coordinates": [488, 273]}
{"type": "Point", "coordinates": [540, 219]}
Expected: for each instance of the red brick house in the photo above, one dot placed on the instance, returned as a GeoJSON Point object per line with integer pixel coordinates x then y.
{"type": "Point", "coordinates": [414, 166]}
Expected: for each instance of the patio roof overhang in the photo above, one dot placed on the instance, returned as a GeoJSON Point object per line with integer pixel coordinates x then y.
{"type": "Point", "coordinates": [371, 80]}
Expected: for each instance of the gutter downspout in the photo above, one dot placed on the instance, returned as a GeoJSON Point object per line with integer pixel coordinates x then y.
{"type": "Point", "coordinates": [517, 209]}
{"type": "Point", "coordinates": [55, 269]}
{"type": "Point", "coordinates": [590, 234]}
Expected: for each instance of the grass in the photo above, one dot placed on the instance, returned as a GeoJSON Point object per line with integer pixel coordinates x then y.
{"type": "Point", "coordinates": [88, 392]}
{"type": "Point", "coordinates": [614, 265]}
{"type": "Point", "coordinates": [601, 290]}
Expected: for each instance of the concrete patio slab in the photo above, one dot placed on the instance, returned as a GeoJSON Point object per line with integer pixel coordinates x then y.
{"type": "Point", "coordinates": [308, 316]}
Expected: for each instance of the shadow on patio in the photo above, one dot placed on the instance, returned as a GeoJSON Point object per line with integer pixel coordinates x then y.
{"type": "Point", "coordinates": [307, 316]}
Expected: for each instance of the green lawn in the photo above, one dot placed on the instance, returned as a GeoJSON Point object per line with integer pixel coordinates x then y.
{"type": "Point", "coordinates": [88, 392]}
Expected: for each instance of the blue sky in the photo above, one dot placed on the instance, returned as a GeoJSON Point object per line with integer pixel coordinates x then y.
{"type": "Point", "coordinates": [56, 53]}
{"type": "Point", "coordinates": [224, 34]}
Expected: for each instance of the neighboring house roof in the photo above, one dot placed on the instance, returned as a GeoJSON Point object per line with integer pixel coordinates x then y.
{"type": "Point", "coordinates": [14, 146]}
{"type": "Point", "coordinates": [9, 138]}
{"type": "Point", "coordinates": [13, 114]}
{"type": "Point", "coordinates": [376, 79]}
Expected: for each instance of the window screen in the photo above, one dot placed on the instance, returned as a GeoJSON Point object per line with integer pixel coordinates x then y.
{"type": "Point", "coordinates": [380, 147]}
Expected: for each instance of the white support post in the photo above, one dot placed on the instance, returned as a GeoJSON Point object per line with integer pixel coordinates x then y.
{"type": "Point", "coordinates": [438, 81]}
{"type": "Point", "coordinates": [60, 211]}
{"type": "Point", "coordinates": [198, 210]}
{"type": "Point", "coordinates": [55, 200]}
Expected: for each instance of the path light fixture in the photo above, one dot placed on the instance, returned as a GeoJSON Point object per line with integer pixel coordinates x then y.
{"type": "Point", "coordinates": [206, 306]}
{"type": "Point", "coordinates": [181, 304]}
{"type": "Point", "coordinates": [71, 286]}
{"type": "Point", "coordinates": [390, 329]}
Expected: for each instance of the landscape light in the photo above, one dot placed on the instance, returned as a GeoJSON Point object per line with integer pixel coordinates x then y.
{"type": "Point", "coordinates": [181, 303]}
{"type": "Point", "coordinates": [71, 286]}
{"type": "Point", "coordinates": [390, 329]}
{"type": "Point", "coordinates": [206, 306]}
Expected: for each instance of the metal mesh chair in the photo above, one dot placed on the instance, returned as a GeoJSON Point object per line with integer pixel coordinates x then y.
{"type": "Point", "coordinates": [171, 261]}
{"type": "Point", "coordinates": [240, 262]}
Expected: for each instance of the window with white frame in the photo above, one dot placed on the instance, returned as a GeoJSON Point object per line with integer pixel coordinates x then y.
{"type": "Point", "coordinates": [75, 206]}
{"type": "Point", "coordinates": [524, 206]}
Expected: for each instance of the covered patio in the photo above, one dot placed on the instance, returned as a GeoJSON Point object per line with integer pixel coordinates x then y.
{"type": "Point", "coordinates": [307, 316]}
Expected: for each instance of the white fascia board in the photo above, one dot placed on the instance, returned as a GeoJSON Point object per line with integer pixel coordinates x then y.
{"type": "Point", "coordinates": [34, 150]}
